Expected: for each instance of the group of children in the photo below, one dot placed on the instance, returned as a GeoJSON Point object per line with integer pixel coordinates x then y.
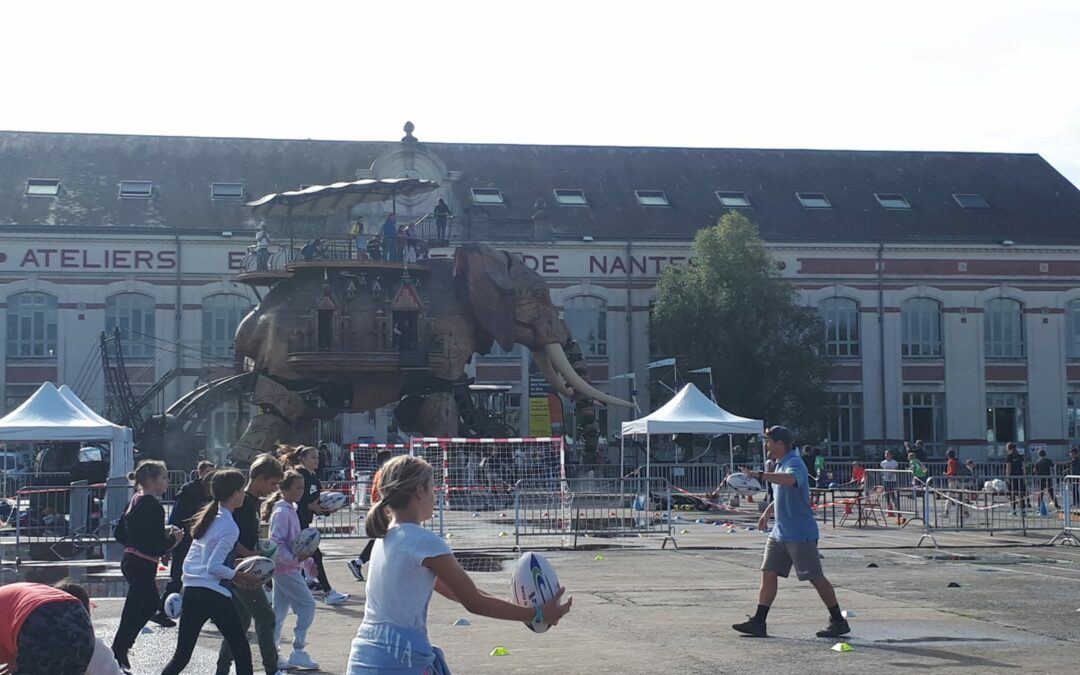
{"type": "Point", "coordinates": [408, 563]}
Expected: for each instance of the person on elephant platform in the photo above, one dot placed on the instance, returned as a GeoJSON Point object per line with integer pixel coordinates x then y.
{"type": "Point", "coordinates": [389, 237]}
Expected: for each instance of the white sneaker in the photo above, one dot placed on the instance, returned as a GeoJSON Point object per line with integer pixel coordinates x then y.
{"type": "Point", "coordinates": [335, 598]}
{"type": "Point", "coordinates": [282, 663]}
{"type": "Point", "coordinates": [300, 659]}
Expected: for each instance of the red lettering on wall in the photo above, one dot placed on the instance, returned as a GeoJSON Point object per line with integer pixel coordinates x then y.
{"type": "Point", "coordinates": [120, 260]}
{"type": "Point", "coordinates": [144, 258]}
{"type": "Point", "coordinates": [549, 264]}
{"type": "Point", "coordinates": [236, 259]}
{"type": "Point", "coordinates": [596, 265]}
{"type": "Point", "coordinates": [29, 259]}
{"type": "Point", "coordinates": [166, 260]}
{"type": "Point", "coordinates": [531, 261]}
{"type": "Point", "coordinates": [69, 257]}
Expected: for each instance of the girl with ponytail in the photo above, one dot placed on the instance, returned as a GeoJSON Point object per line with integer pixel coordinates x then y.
{"type": "Point", "coordinates": [207, 571]}
{"type": "Point", "coordinates": [408, 563]}
{"type": "Point", "coordinates": [145, 539]}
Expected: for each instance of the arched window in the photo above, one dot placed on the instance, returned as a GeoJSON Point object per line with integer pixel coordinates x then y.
{"type": "Point", "coordinates": [586, 317]}
{"type": "Point", "coordinates": [920, 327]}
{"type": "Point", "coordinates": [1003, 323]}
{"type": "Point", "coordinates": [221, 314]}
{"type": "Point", "coordinates": [841, 317]}
{"type": "Point", "coordinates": [1072, 329]}
{"type": "Point", "coordinates": [133, 314]}
{"type": "Point", "coordinates": [31, 326]}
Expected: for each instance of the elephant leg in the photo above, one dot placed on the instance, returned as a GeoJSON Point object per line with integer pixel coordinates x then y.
{"type": "Point", "coordinates": [438, 415]}
{"type": "Point", "coordinates": [263, 434]}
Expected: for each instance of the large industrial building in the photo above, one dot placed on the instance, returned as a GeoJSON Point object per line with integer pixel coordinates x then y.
{"type": "Point", "coordinates": [948, 282]}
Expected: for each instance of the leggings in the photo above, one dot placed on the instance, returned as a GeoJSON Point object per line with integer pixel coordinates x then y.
{"type": "Point", "coordinates": [365, 555]}
{"type": "Point", "coordinates": [57, 637]}
{"type": "Point", "coordinates": [324, 581]}
{"type": "Point", "coordinates": [201, 605]}
{"type": "Point", "coordinates": [141, 603]}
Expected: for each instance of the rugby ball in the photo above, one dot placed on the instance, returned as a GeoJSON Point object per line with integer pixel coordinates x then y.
{"type": "Point", "coordinates": [996, 485]}
{"type": "Point", "coordinates": [740, 482]}
{"type": "Point", "coordinates": [534, 582]}
{"type": "Point", "coordinates": [305, 543]}
{"type": "Point", "coordinates": [173, 604]}
{"type": "Point", "coordinates": [262, 568]}
{"type": "Point", "coordinates": [267, 548]}
{"type": "Point", "coordinates": [332, 501]}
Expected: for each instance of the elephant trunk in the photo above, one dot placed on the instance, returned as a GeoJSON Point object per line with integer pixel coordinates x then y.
{"type": "Point", "coordinates": [562, 366]}
{"type": "Point", "coordinates": [556, 382]}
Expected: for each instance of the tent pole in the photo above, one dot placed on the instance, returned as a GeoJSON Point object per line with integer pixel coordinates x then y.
{"type": "Point", "coordinates": [648, 457]}
{"type": "Point", "coordinates": [731, 455]}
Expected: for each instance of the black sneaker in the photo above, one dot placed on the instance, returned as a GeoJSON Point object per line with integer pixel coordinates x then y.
{"type": "Point", "coordinates": [751, 627]}
{"type": "Point", "coordinates": [162, 619]}
{"type": "Point", "coordinates": [835, 629]}
{"type": "Point", "coordinates": [354, 567]}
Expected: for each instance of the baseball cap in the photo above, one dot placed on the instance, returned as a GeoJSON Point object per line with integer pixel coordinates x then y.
{"type": "Point", "coordinates": [778, 433]}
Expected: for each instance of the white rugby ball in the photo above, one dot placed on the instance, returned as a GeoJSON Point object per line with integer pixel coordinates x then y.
{"type": "Point", "coordinates": [740, 482]}
{"type": "Point", "coordinates": [534, 583]}
{"type": "Point", "coordinates": [173, 605]}
{"type": "Point", "coordinates": [332, 501]}
{"type": "Point", "coordinates": [267, 548]}
{"type": "Point", "coordinates": [262, 568]}
{"type": "Point", "coordinates": [996, 485]}
{"type": "Point", "coordinates": [305, 543]}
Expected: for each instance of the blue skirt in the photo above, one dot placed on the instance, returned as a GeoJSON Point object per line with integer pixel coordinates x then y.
{"type": "Point", "coordinates": [386, 648]}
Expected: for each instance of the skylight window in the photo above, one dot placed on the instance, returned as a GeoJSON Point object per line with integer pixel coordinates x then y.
{"type": "Point", "coordinates": [891, 200]}
{"type": "Point", "coordinates": [652, 198]}
{"type": "Point", "coordinates": [971, 201]}
{"type": "Point", "coordinates": [571, 198]}
{"type": "Point", "coordinates": [227, 191]}
{"type": "Point", "coordinates": [735, 200]}
{"type": "Point", "coordinates": [42, 187]}
{"type": "Point", "coordinates": [136, 189]}
{"type": "Point", "coordinates": [487, 196]}
{"type": "Point", "coordinates": [813, 200]}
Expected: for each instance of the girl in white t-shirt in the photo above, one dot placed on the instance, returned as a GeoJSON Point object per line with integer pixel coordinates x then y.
{"type": "Point", "coordinates": [407, 564]}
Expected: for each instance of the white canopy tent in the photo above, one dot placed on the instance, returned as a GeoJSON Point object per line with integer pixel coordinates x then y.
{"type": "Point", "coordinates": [52, 414]}
{"type": "Point", "coordinates": [688, 412]}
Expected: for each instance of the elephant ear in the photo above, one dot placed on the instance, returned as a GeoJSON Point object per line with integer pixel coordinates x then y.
{"type": "Point", "coordinates": [490, 289]}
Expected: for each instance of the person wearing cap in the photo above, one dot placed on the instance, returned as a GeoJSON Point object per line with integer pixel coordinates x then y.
{"type": "Point", "coordinates": [794, 538]}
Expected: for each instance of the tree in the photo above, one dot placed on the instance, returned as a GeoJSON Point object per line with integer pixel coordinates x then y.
{"type": "Point", "coordinates": [732, 311]}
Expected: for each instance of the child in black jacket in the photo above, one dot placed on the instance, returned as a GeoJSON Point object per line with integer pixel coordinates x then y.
{"type": "Point", "coordinates": [145, 541]}
{"type": "Point", "coordinates": [192, 496]}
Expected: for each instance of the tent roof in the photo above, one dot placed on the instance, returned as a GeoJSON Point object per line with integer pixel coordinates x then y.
{"type": "Point", "coordinates": [691, 412]}
{"type": "Point", "coordinates": [50, 416]}
{"type": "Point", "coordinates": [86, 410]}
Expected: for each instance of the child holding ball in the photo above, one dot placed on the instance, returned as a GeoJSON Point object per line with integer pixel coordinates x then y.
{"type": "Point", "coordinates": [290, 589]}
{"type": "Point", "coordinates": [408, 563]}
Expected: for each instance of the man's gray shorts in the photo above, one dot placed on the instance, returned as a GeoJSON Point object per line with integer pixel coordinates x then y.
{"type": "Point", "coordinates": [781, 555]}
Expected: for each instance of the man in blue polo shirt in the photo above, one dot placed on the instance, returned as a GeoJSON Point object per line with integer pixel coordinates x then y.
{"type": "Point", "coordinates": [793, 540]}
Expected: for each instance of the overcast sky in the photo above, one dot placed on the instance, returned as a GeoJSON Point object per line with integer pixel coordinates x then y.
{"type": "Point", "coordinates": [944, 75]}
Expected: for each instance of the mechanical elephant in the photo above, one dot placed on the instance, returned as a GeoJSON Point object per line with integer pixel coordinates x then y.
{"type": "Point", "coordinates": [354, 337]}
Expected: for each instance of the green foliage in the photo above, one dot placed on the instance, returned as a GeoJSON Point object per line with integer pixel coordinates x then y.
{"type": "Point", "coordinates": [732, 311]}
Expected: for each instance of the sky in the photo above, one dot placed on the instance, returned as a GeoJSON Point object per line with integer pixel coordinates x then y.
{"type": "Point", "coordinates": [949, 75]}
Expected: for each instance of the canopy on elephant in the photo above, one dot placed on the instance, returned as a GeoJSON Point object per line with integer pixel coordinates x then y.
{"type": "Point", "coordinates": [323, 199]}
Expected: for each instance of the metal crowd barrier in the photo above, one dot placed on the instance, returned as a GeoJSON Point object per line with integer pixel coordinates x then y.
{"type": "Point", "coordinates": [12, 481]}
{"type": "Point", "coordinates": [575, 508]}
{"type": "Point", "coordinates": [888, 494]}
{"type": "Point", "coordinates": [69, 519]}
{"type": "Point", "coordinates": [1070, 500]}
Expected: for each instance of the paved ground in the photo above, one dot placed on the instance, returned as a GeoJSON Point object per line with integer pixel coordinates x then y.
{"type": "Point", "coordinates": [645, 610]}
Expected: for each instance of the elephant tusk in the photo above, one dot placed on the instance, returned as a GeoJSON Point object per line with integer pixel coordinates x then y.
{"type": "Point", "coordinates": [544, 365]}
{"type": "Point", "coordinates": [562, 366]}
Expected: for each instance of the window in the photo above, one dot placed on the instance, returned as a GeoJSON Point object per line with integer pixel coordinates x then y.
{"type": "Point", "coordinates": [221, 314]}
{"type": "Point", "coordinates": [1072, 411]}
{"type": "Point", "coordinates": [841, 317]}
{"type": "Point", "coordinates": [487, 196]}
{"type": "Point", "coordinates": [845, 425]}
{"type": "Point", "coordinates": [133, 314]}
{"type": "Point", "coordinates": [571, 198]}
{"type": "Point", "coordinates": [1003, 324]}
{"type": "Point", "coordinates": [924, 420]}
{"type": "Point", "coordinates": [735, 200]}
{"type": "Point", "coordinates": [225, 191]}
{"type": "Point", "coordinates": [1006, 418]}
{"type": "Point", "coordinates": [42, 187]}
{"type": "Point", "coordinates": [31, 326]}
{"type": "Point", "coordinates": [920, 328]}
{"type": "Point", "coordinates": [813, 200]}
{"type": "Point", "coordinates": [586, 317]}
{"type": "Point", "coordinates": [1072, 329]}
{"type": "Point", "coordinates": [652, 198]}
{"type": "Point", "coordinates": [136, 189]}
{"type": "Point", "coordinates": [14, 396]}
{"type": "Point", "coordinates": [892, 200]}
{"type": "Point", "coordinates": [971, 201]}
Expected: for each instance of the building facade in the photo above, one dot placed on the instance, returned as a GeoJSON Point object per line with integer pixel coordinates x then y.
{"type": "Point", "coordinates": [947, 282]}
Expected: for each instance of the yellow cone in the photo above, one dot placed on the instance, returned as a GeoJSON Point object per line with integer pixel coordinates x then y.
{"type": "Point", "coordinates": [842, 647]}
{"type": "Point", "coordinates": [503, 534]}
{"type": "Point", "coordinates": [500, 651]}
{"type": "Point", "coordinates": [599, 557]}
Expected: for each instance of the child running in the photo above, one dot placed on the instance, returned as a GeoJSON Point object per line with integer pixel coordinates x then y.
{"type": "Point", "coordinates": [305, 460]}
{"type": "Point", "coordinates": [355, 566]}
{"type": "Point", "coordinates": [206, 597]}
{"type": "Point", "coordinates": [145, 539]}
{"type": "Point", "coordinates": [290, 589]}
{"type": "Point", "coordinates": [407, 564]}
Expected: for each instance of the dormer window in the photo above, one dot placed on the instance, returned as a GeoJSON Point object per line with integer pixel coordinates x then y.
{"type": "Point", "coordinates": [652, 198]}
{"type": "Point", "coordinates": [487, 196]}
{"type": "Point", "coordinates": [813, 200]}
{"type": "Point", "coordinates": [136, 189]}
{"type": "Point", "coordinates": [971, 201]}
{"type": "Point", "coordinates": [571, 198]}
{"type": "Point", "coordinates": [733, 200]}
{"type": "Point", "coordinates": [227, 191]}
{"type": "Point", "coordinates": [892, 200]}
{"type": "Point", "coordinates": [42, 187]}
